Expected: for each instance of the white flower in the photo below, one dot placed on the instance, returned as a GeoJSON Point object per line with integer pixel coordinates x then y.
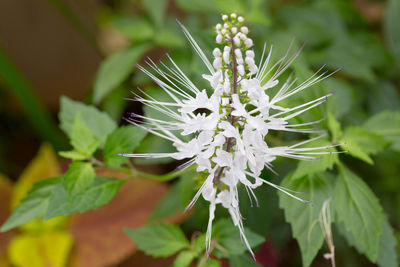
{"type": "Point", "coordinates": [228, 128]}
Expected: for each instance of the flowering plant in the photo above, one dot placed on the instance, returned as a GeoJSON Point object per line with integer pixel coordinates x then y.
{"type": "Point", "coordinates": [226, 141]}
{"type": "Point", "coordinates": [229, 128]}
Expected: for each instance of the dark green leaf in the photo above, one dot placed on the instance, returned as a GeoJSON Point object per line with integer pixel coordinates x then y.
{"type": "Point", "coordinates": [159, 240]}
{"type": "Point", "coordinates": [187, 186]}
{"type": "Point", "coordinates": [391, 27]}
{"type": "Point", "coordinates": [79, 177]}
{"type": "Point", "coordinates": [34, 205]}
{"type": "Point", "coordinates": [208, 262]}
{"type": "Point", "coordinates": [227, 236]}
{"type": "Point", "coordinates": [358, 209]}
{"type": "Point", "coordinates": [184, 259]}
{"type": "Point", "coordinates": [303, 218]}
{"type": "Point", "coordinates": [123, 140]}
{"type": "Point", "coordinates": [242, 261]}
{"type": "Point", "coordinates": [99, 193]}
{"type": "Point", "coordinates": [114, 70]}
{"type": "Point", "coordinates": [99, 123]}
{"type": "Point", "coordinates": [169, 204]}
{"type": "Point", "coordinates": [387, 124]}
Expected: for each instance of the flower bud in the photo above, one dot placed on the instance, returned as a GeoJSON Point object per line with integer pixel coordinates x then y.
{"type": "Point", "coordinates": [250, 53]}
{"type": "Point", "coordinates": [234, 30]}
{"type": "Point", "coordinates": [225, 56]}
{"type": "Point", "coordinates": [218, 26]}
{"type": "Point", "coordinates": [240, 19]}
{"type": "Point", "coordinates": [216, 52]}
{"type": "Point", "coordinates": [241, 70]}
{"type": "Point", "coordinates": [244, 29]}
{"type": "Point", "coordinates": [236, 40]}
{"type": "Point", "coordinates": [224, 17]}
{"type": "Point", "coordinates": [217, 63]}
{"type": "Point", "coordinates": [233, 15]}
{"type": "Point", "coordinates": [218, 39]}
{"type": "Point", "coordinates": [248, 42]}
{"type": "Point", "coordinates": [238, 53]}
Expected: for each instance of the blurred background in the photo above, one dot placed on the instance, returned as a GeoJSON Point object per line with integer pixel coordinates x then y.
{"type": "Point", "coordinates": [50, 48]}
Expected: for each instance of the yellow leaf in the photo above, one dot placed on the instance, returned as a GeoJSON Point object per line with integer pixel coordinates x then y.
{"type": "Point", "coordinates": [44, 165]}
{"type": "Point", "coordinates": [49, 249]}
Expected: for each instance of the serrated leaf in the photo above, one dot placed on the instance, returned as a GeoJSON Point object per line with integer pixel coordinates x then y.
{"type": "Point", "coordinates": [156, 9]}
{"type": "Point", "coordinates": [359, 210]}
{"type": "Point", "coordinates": [387, 255]}
{"type": "Point", "coordinates": [303, 218]}
{"type": "Point", "coordinates": [34, 205]}
{"type": "Point", "coordinates": [114, 70]}
{"type": "Point", "coordinates": [78, 177]}
{"type": "Point", "coordinates": [99, 123]}
{"type": "Point", "coordinates": [82, 138]}
{"type": "Point", "coordinates": [184, 259]}
{"type": "Point", "coordinates": [362, 143]}
{"type": "Point", "coordinates": [159, 240]}
{"type": "Point", "coordinates": [387, 124]}
{"type": "Point", "coordinates": [309, 167]}
{"type": "Point", "coordinates": [242, 261]}
{"type": "Point", "coordinates": [99, 193]}
{"type": "Point", "coordinates": [227, 236]}
{"type": "Point", "coordinates": [123, 140]}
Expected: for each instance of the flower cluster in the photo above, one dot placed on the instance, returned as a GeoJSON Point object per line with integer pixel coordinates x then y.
{"type": "Point", "coordinates": [228, 129]}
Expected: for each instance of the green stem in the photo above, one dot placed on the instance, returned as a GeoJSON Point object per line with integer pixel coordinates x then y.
{"type": "Point", "coordinates": [161, 178]}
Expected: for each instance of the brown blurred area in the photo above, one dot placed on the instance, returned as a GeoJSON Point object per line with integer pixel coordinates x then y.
{"type": "Point", "coordinates": [47, 49]}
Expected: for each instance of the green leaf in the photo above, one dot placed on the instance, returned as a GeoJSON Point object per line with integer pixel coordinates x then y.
{"type": "Point", "coordinates": [169, 204]}
{"type": "Point", "coordinates": [227, 236]}
{"type": "Point", "coordinates": [387, 124]}
{"type": "Point", "coordinates": [305, 167]}
{"type": "Point", "coordinates": [73, 154]}
{"type": "Point", "coordinates": [242, 261]}
{"type": "Point", "coordinates": [334, 128]}
{"type": "Point", "coordinates": [184, 259]}
{"type": "Point", "coordinates": [387, 255]}
{"type": "Point", "coordinates": [208, 262]}
{"type": "Point", "coordinates": [156, 10]}
{"type": "Point", "coordinates": [358, 209]}
{"type": "Point", "coordinates": [303, 218]}
{"type": "Point", "coordinates": [99, 123]}
{"type": "Point", "coordinates": [79, 177]}
{"type": "Point", "coordinates": [169, 38]}
{"type": "Point", "coordinates": [187, 185]}
{"type": "Point", "coordinates": [136, 28]}
{"type": "Point", "coordinates": [159, 240]}
{"type": "Point", "coordinates": [123, 140]}
{"type": "Point", "coordinates": [82, 138]}
{"type": "Point", "coordinates": [34, 205]}
{"type": "Point", "coordinates": [361, 143]}
{"type": "Point", "coordinates": [391, 27]}
{"type": "Point", "coordinates": [114, 70]}
{"type": "Point", "coordinates": [99, 193]}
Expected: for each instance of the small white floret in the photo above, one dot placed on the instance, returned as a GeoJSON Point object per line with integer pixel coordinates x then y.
{"type": "Point", "coordinates": [248, 42]}
{"type": "Point", "coordinates": [216, 52]}
{"type": "Point", "coordinates": [244, 29]}
{"type": "Point", "coordinates": [218, 39]}
{"type": "Point", "coordinates": [240, 19]}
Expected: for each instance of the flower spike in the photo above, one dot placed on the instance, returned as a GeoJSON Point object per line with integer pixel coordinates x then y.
{"type": "Point", "coordinates": [228, 134]}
